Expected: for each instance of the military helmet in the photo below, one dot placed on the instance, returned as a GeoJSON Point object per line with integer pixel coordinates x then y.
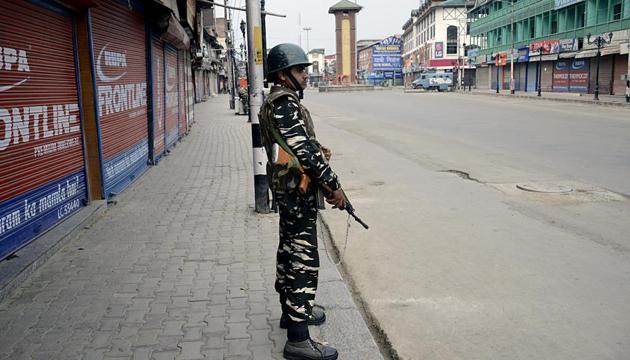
{"type": "Point", "coordinates": [284, 56]}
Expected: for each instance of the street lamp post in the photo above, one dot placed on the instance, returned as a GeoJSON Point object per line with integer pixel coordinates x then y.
{"type": "Point", "coordinates": [463, 82]}
{"type": "Point", "coordinates": [599, 41]}
{"type": "Point", "coordinates": [539, 77]}
{"type": "Point", "coordinates": [307, 29]}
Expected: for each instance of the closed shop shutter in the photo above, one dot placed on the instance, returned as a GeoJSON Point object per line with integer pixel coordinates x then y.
{"type": "Point", "coordinates": [494, 75]}
{"type": "Point", "coordinates": [181, 86]}
{"type": "Point", "coordinates": [547, 76]}
{"type": "Point", "coordinates": [42, 167]}
{"type": "Point", "coordinates": [605, 74]}
{"type": "Point", "coordinates": [157, 63]}
{"type": "Point", "coordinates": [579, 75]}
{"type": "Point", "coordinates": [119, 52]}
{"type": "Point", "coordinates": [532, 69]}
{"type": "Point", "coordinates": [561, 72]}
{"type": "Point", "coordinates": [621, 68]}
{"type": "Point", "coordinates": [482, 75]}
{"type": "Point", "coordinates": [522, 77]}
{"type": "Point", "coordinates": [172, 96]}
{"type": "Point", "coordinates": [191, 95]}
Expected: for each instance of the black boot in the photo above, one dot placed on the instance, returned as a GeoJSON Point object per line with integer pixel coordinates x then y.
{"type": "Point", "coordinates": [308, 350]}
{"type": "Point", "coordinates": [316, 318]}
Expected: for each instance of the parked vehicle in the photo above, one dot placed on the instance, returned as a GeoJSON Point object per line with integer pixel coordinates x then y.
{"type": "Point", "coordinates": [434, 81]}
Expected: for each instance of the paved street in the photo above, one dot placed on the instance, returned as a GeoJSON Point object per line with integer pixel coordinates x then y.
{"type": "Point", "coordinates": [459, 263]}
{"type": "Point", "coordinates": [180, 268]}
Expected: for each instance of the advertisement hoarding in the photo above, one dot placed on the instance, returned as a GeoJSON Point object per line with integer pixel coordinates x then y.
{"type": "Point", "coordinates": [386, 55]}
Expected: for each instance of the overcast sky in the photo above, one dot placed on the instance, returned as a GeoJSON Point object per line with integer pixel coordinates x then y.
{"type": "Point", "coordinates": [377, 20]}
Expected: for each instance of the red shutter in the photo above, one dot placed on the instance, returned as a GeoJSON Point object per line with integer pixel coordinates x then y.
{"type": "Point", "coordinates": [181, 86]}
{"type": "Point", "coordinates": [621, 68]}
{"type": "Point", "coordinates": [157, 53]}
{"type": "Point", "coordinates": [42, 170]}
{"type": "Point", "coordinates": [120, 63]}
{"type": "Point", "coordinates": [172, 96]}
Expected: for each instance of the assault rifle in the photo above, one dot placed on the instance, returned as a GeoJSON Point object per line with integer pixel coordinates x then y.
{"type": "Point", "coordinates": [349, 208]}
{"type": "Point", "coordinates": [282, 157]}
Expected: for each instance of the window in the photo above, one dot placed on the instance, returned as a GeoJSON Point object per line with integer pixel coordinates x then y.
{"type": "Point", "coordinates": [581, 16]}
{"type": "Point", "coordinates": [451, 40]}
{"type": "Point", "coordinates": [554, 23]}
{"type": "Point", "coordinates": [617, 12]}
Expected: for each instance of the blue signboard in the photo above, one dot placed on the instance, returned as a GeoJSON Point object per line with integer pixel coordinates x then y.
{"type": "Point", "coordinates": [523, 54]}
{"type": "Point", "coordinates": [386, 55]}
{"type": "Point", "coordinates": [30, 214]}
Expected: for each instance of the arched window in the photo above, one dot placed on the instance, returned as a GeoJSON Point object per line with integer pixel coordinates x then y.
{"type": "Point", "coordinates": [451, 40]}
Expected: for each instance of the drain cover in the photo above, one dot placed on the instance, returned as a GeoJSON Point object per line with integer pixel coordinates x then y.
{"type": "Point", "coordinates": [545, 188]}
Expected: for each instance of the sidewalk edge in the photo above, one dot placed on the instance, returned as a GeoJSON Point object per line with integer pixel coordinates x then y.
{"type": "Point", "coordinates": [580, 101]}
{"type": "Point", "coordinates": [378, 334]}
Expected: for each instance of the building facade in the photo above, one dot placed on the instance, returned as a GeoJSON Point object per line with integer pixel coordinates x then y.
{"type": "Point", "coordinates": [316, 70]}
{"type": "Point", "coordinates": [549, 44]}
{"type": "Point", "coordinates": [83, 123]}
{"type": "Point", "coordinates": [434, 37]}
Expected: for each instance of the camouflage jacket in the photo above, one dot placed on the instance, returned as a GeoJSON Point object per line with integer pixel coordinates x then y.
{"type": "Point", "coordinates": [282, 109]}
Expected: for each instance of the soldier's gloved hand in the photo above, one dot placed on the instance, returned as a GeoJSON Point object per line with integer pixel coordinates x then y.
{"type": "Point", "coordinates": [327, 152]}
{"type": "Point", "coordinates": [337, 200]}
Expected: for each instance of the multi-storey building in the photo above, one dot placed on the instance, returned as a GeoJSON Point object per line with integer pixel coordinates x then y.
{"type": "Point", "coordinates": [434, 37]}
{"type": "Point", "coordinates": [548, 40]}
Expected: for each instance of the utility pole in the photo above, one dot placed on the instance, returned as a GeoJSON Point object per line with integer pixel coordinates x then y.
{"type": "Point", "coordinates": [512, 51]}
{"type": "Point", "coordinates": [256, 73]}
{"type": "Point", "coordinates": [307, 29]}
{"type": "Point", "coordinates": [228, 44]}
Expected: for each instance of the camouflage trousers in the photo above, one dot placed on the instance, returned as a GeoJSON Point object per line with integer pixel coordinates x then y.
{"type": "Point", "coordinates": [297, 259]}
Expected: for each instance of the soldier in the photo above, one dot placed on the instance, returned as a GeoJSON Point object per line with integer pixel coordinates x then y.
{"type": "Point", "coordinates": [286, 122]}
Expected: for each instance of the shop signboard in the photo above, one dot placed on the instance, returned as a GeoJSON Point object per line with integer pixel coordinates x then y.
{"type": "Point", "coordinates": [568, 45]}
{"type": "Point", "coordinates": [387, 54]}
{"type": "Point", "coordinates": [473, 53]}
{"type": "Point", "coordinates": [501, 59]}
{"type": "Point", "coordinates": [547, 47]}
{"type": "Point", "coordinates": [523, 54]}
{"type": "Point", "coordinates": [439, 50]}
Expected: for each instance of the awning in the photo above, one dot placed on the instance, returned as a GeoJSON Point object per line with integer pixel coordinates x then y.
{"type": "Point", "coordinates": [623, 49]}
{"type": "Point", "coordinates": [550, 57]}
{"type": "Point", "coordinates": [567, 55]}
{"type": "Point", "coordinates": [175, 34]}
{"type": "Point", "coordinates": [609, 50]}
{"type": "Point", "coordinates": [586, 54]}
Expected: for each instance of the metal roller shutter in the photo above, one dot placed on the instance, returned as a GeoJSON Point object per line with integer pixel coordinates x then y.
{"type": "Point", "coordinates": [181, 86]}
{"type": "Point", "coordinates": [621, 68]}
{"type": "Point", "coordinates": [191, 95]}
{"type": "Point", "coordinates": [172, 96]}
{"type": "Point", "coordinates": [482, 76]}
{"type": "Point", "coordinates": [157, 63]}
{"type": "Point", "coordinates": [547, 76]}
{"type": "Point", "coordinates": [532, 73]}
{"type": "Point", "coordinates": [42, 168]}
{"type": "Point", "coordinates": [120, 64]}
{"type": "Point", "coordinates": [605, 74]}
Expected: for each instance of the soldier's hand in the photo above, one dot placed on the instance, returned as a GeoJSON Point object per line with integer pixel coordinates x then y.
{"type": "Point", "coordinates": [327, 153]}
{"type": "Point", "coordinates": [337, 200]}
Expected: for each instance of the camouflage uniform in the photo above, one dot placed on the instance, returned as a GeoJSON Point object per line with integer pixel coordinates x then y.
{"type": "Point", "coordinates": [297, 258]}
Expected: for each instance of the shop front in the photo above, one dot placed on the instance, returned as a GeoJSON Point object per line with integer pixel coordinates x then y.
{"type": "Point", "coordinates": [42, 161]}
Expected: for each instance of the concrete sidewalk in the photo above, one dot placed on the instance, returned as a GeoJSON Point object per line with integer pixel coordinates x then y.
{"type": "Point", "coordinates": [180, 268]}
{"type": "Point", "coordinates": [609, 100]}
